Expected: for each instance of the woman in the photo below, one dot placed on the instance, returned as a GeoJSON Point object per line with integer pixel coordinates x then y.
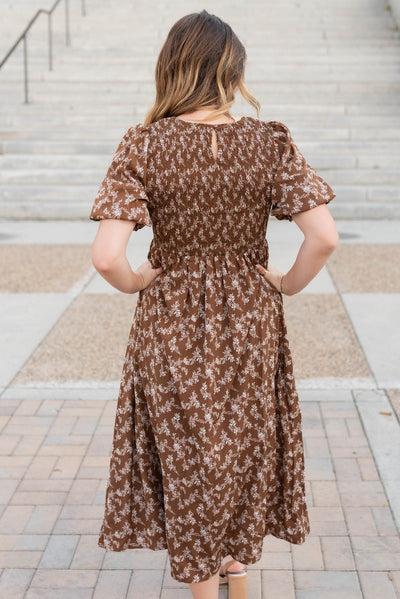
{"type": "Point", "coordinates": [207, 454]}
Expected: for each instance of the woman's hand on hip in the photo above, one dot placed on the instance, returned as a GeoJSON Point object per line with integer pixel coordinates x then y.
{"type": "Point", "coordinates": [145, 274]}
{"type": "Point", "coordinates": [273, 276]}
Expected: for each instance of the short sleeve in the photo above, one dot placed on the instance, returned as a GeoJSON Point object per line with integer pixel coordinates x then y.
{"type": "Point", "coordinates": [295, 186]}
{"type": "Point", "coordinates": [122, 194]}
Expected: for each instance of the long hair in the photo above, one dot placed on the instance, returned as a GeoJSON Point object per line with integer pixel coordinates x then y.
{"type": "Point", "coordinates": [200, 64]}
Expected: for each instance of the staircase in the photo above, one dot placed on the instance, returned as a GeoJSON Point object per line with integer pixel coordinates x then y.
{"type": "Point", "coordinates": [329, 70]}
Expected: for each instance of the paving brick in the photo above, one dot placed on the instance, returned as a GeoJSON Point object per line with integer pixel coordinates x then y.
{"type": "Point", "coordinates": [63, 578]}
{"type": "Point", "coordinates": [338, 409]}
{"type": "Point", "coordinates": [316, 446]}
{"type": "Point", "coordinates": [88, 526]}
{"type": "Point", "coordinates": [377, 553]}
{"type": "Point", "coordinates": [384, 521]}
{"type": "Point", "coordinates": [38, 498]}
{"type": "Point", "coordinates": [66, 467]}
{"type": "Point", "coordinates": [149, 582]}
{"type": "Point", "coordinates": [326, 514]}
{"type": "Point", "coordinates": [59, 551]}
{"type": "Point", "coordinates": [349, 451]}
{"type": "Point", "coordinates": [329, 527]}
{"type": "Point", "coordinates": [326, 580]}
{"type": "Point", "coordinates": [74, 448]}
{"type": "Point", "coordinates": [336, 427]}
{"type": "Point", "coordinates": [36, 425]}
{"type": "Point", "coordinates": [378, 543]}
{"type": "Point", "coordinates": [394, 576]}
{"type": "Point", "coordinates": [355, 444]}
{"type": "Point", "coordinates": [274, 560]}
{"type": "Point", "coordinates": [337, 553]}
{"type": "Point", "coordinates": [360, 520]}
{"type": "Point", "coordinates": [75, 510]}
{"type": "Point", "coordinates": [271, 543]}
{"type": "Point", "coordinates": [28, 407]}
{"type": "Point", "coordinates": [82, 491]}
{"type": "Point", "coordinates": [113, 584]}
{"type": "Point", "coordinates": [14, 582]}
{"type": "Point", "coordinates": [367, 468]}
{"type": "Point", "coordinates": [377, 561]}
{"type": "Point", "coordinates": [346, 469]}
{"type": "Point", "coordinates": [14, 466]}
{"type": "Point", "coordinates": [7, 489]}
{"type": "Point", "coordinates": [363, 493]}
{"type": "Point", "coordinates": [85, 425]}
{"type": "Point", "coordinates": [88, 555]}
{"type": "Point", "coordinates": [29, 444]}
{"type": "Point", "coordinates": [8, 443]}
{"type": "Point", "coordinates": [42, 519]}
{"type": "Point", "coordinates": [63, 425]}
{"type": "Point", "coordinates": [41, 467]}
{"type": "Point", "coordinates": [377, 584]}
{"type": "Point", "coordinates": [58, 593]}
{"type": "Point", "coordinates": [319, 469]}
{"type": "Point", "coordinates": [173, 594]}
{"type": "Point", "coordinates": [328, 594]}
{"type": "Point", "coordinates": [139, 558]}
{"type": "Point", "coordinates": [49, 407]}
{"type": "Point", "coordinates": [325, 493]}
{"type": "Point", "coordinates": [354, 427]}
{"type": "Point", "coordinates": [59, 441]}
{"type": "Point", "coordinates": [8, 406]}
{"type": "Point", "coordinates": [309, 555]}
{"type": "Point", "coordinates": [47, 484]}
{"type": "Point", "coordinates": [14, 518]}
{"type": "Point", "coordinates": [23, 541]}
{"type": "Point", "coordinates": [20, 559]}
{"type": "Point", "coordinates": [276, 584]}
{"type": "Point", "coordinates": [253, 584]}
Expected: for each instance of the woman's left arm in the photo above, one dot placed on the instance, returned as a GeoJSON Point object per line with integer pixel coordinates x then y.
{"type": "Point", "coordinates": [110, 261]}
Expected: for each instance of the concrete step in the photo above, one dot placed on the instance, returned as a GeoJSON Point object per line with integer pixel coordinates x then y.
{"type": "Point", "coordinates": [308, 127]}
{"type": "Point", "coordinates": [80, 209]}
{"type": "Point", "coordinates": [349, 147]}
{"type": "Point", "coordinates": [74, 191]}
{"type": "Point", "coordinates": [327, 161]}
{"type": "Point", "coordinates": [141, 109]}
{"type": "Point", "coordinates": [88, 133]}
{"type": "Point", "coordinates": [330, 72]}
{"type": "Point", "coordinates": [42, 162]}
{"type": "Point", "coordinates": [86, 175]}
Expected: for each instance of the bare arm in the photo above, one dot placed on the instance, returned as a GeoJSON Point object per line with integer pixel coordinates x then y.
{"type": "Point", "coordinates": [320, 240]}
{"type": "Point", "coordinates": [110, 261]}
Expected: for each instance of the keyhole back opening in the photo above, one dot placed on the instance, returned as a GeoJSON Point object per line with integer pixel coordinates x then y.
{"type": "Point", "coordinates": [214, 144]}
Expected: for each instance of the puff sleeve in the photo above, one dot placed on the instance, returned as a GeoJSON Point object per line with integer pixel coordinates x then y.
{"type": "Point", "coordinates": [122, 194]}
{"type": "Point", "coordinates": [296, 186]}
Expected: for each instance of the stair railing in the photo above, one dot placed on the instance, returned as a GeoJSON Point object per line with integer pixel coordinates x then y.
{"type": "Point", "coordinates": [23, 38]}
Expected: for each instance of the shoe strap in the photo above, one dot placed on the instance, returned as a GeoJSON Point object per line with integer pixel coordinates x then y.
{"type": "Point", "coordinates": [229, 563]}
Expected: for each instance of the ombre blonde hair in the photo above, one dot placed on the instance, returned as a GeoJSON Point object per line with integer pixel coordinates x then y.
{"type": "Point", "coordinates": [200, 64]}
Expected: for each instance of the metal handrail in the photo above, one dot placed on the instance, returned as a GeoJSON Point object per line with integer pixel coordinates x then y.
{"type": "Point", "coordinates": [23, 37]}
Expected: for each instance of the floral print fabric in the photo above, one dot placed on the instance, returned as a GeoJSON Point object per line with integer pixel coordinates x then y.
{"type": "Point", "coordinates": [207, 456]}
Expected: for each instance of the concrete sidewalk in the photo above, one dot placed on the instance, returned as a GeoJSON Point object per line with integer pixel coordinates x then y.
{"type": "Point", "coordinates": [64, 336]}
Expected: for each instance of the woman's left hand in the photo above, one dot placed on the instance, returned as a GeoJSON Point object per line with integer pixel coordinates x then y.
{"type": "Point", "coordinates": [272, 275]}
{"type": "Point", "coordinates": [146, 274]}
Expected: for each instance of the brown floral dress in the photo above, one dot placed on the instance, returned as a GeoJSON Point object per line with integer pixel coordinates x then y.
{"type": "Point", "coordinates": [207, 455]}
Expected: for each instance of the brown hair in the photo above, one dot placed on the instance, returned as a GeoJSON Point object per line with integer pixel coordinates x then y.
{"type": "Point", "coordinates": [200, 64]}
